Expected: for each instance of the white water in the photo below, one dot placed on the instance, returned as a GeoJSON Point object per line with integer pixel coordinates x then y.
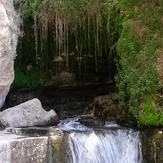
{"type": "Point", "coordinates": [112, 144]}
{"type": "Point", "coordinates": [72, 125]}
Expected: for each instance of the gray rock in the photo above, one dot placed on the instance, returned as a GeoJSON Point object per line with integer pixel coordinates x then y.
{"type": "Point", "coordinates": [20, 149]}
{"type": "Point", "coordinates": [28, 114]}
{"type": "Point", "coordinates": [3, 93]}
{"type": "Point", "coordinates": [9, 31]}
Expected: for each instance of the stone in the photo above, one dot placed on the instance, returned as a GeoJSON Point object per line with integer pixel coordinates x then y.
{"type": "Point", "coordinates": [96, 122]}
{"type": "Point", "coordinates": [110, 110]}
{"type": "Point", "coordinates": [103, 107]}
{"type": "Point", "coordinates": [3, 93]}
{"type": "Point", "coordinates": [18, 96]}
{"type": "Point", "coordinates": [70, 110]}
{"type": "Point", "coordinates": [24, 149]}
{"type": "Point", "coordinates": [28, 114]}
{"type": "Point", "coordinates": [152, 145]}
{"type": "Point", "coordinates": [9, 31]}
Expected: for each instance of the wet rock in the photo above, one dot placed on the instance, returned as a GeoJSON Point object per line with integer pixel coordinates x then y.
{"type": "Point", "coordinates": [70, 110]}
{"type": "Point", "coordinates": [110, 111]}
{"type": "Point", "coordinates": [34, 131]}
{"type": "Point", "coordinates": [103, 106]}
{"type": "Point", "coordinates": [18, 96]}
{"type": "Point", "coordinates": [28, 114]}
{"type": "Point", "coordinates": [90, 120]}
{"type": "Point", "coordinates": [64, 79]}
{"type": "Point", "coordinates": [152, 145]}
{"type": "Point", "coordinates": [98, 122]}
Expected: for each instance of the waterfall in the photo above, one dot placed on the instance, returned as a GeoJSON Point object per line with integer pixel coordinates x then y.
{"type": "Point", "coordinates": [115, 146]}
{"type": "Point", "coordinates": [75, 144]}
{"type": "Point", "coordinates": [112, 144]}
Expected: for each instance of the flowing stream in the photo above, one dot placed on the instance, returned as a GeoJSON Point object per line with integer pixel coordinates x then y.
{"type": "Point", "coordinates": [112, 144]}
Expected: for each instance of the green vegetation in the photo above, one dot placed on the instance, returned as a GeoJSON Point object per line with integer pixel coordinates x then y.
{"type": "Point", "coordinates": [70, 36]}
{"type": "Point", "coordinates": [150, 115]}
{"type": "Point", "coordinates": [26, 79]}
{"type": "Point", "coordinates": [78, 36]}
{"type": "Point", "coordinates": [139, 47]}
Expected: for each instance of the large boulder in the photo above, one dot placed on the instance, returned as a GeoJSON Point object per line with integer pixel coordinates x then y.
{"type": "Point", "coordinates": [28, 114]}
{"type": "Point", "coordinates": [9, 31]}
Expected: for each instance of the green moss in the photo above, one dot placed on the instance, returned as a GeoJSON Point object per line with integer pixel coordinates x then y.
{"type": "Point", "coordinates": [155, 146]}
{"type": "Point", "coordinates": [25, 78]}
{"type": "Point", "coordinates": [61, 149]}
{"type": "Point", "coordinates": [150, 115]}
{"type": "Point", "coordinates": [74, 36]}
{"type": "Point", "coordinates": [57, 149]}
{"type": "Point", "coordinates": [138, 48]}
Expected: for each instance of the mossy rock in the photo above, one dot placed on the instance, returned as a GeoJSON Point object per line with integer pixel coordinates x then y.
{"type": "Point", "coordinates": [27, 77]}
{"type": "Point", "coordinates": [152, 146]}
{"type": "Point", "coordinates": [150, 114]}
{"type": "Point", "coordinates": [61, 149]}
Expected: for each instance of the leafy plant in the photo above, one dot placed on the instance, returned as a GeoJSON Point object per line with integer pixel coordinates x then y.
{"type": "Point", "coordinates": [137, 50]}
{"type": "Point", "coordinates": [30, 79]}
{"type": "Point", "coordinates": [150, 115]}
{"type": "Point", "coordinates": [66, 28]}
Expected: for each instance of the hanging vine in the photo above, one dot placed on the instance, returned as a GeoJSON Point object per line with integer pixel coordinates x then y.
{"type": "Point", "coordinates": [69, 32]}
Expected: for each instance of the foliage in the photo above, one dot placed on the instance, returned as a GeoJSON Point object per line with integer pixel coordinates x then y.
{"type": "Point", "coordinates": [138, 48]}
{"type": "Point", "coordinates": [29, 7]}
{"type": "Point", "coordinates": [67, 31]}
{"type": "Point", "coordinates": [150, 115]}
{"type": "Point", "coordinates": [71, 32]}
{"type": "Point", "coordinates": [30, 79]}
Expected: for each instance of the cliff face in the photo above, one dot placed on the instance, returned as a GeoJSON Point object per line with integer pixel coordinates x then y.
{"type": "Point", "coordinates": [8, 36]}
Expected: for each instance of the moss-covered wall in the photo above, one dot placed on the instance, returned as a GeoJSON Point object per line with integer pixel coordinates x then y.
{"type": "Point", "coordinates": [139, 62]}
{"type": "Point", "coordinates": [65, 42]}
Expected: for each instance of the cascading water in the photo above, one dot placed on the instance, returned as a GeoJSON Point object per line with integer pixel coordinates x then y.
{"type": "Point", "coordinates": [75, 144]}
{"type": "Point", "coordinates": [112, 144]}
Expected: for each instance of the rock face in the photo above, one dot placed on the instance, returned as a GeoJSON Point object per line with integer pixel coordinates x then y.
{"type": "Point", "coordinates": [103, 106]}
{"type": "Point", "coordinates": [152, 145]}
{"type": "Point", "coordinates": [9, 36]}
{"type": "Point", "coordinates": [28, 114]}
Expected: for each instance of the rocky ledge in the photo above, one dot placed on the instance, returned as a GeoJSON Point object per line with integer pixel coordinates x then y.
{"type": "Point", "coordinates": [21, 148]}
